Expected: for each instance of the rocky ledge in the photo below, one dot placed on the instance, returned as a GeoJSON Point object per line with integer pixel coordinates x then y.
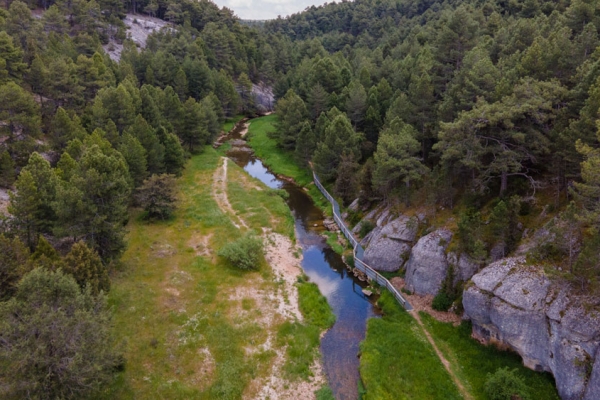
{"type": "Point", "coordinates": [515, 306]}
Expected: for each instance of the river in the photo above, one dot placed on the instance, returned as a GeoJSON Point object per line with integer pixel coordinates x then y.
{"type": "Point", "coordinates": [340, 345]}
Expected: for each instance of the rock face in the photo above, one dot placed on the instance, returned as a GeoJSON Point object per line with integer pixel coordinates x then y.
{"type": "Point", "coordinates": [515, 306]}
{"type": "Point", "coordinates": [464, 267]}
{"type": "Point", "coordinates": [388, 246]}
{"type": "Point", "coordinates": [427, 267]}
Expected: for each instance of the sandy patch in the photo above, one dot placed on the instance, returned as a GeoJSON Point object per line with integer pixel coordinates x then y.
{"type": "Point", "coordinates": [269, 309]}
{"type": "Point", "coordinates": [162, 250]}
{"type": "Point", "coordinates": [219, 191]}
{"type": "Point", "coordinates": [277, 388]}
{"type": "Point", "coordinates": [201, 244]}
{"type": "Point", "coordinates": [245, 129]}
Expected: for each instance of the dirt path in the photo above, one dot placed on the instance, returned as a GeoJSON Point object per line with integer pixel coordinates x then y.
{"type": "Point", "coordinates": [219, 191]}
{"type": "Point", "coordinates": [465, 393]}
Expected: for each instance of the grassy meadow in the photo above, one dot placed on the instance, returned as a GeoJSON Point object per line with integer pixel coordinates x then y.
{"type": "Point", "coordinates": [280, 161]}
{"type": "Point", "coordinates": [472, 362]}
{"type": "Point", "coordinates": [397, 362]}
{"type": "Point", "coordinates": [187, 329]}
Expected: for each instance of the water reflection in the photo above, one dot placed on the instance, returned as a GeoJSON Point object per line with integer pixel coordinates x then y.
{"type": "Point", "coordinates": [340, 345]}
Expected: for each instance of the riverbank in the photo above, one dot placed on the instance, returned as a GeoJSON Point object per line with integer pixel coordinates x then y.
{"type": "Point", "coordinates": [191, 325]}
{"type": "Point", "coordinates": [446, 358]}
{"type": "Point", "coordinates": [282, 162]}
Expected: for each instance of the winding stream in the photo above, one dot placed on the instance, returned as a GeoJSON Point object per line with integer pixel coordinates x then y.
{"type": "Point", "coordinates": [340, 345]}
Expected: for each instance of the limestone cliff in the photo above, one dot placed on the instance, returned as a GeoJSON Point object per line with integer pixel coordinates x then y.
{"type": "Point", "coordinates": [515, 306]}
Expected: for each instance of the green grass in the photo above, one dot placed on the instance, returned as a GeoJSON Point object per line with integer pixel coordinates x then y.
{"type": "Point", "coordinates": [182, 335]}
{"type": "Point", "coordinates": [230, 123]}
{"type": "Point", "coordinates": [257, 204]}
{"type": "Point", "coordinates": [472, 361]}
{"type": "Point", "coordinates": [332, 241]}
{"type": "Point", "coordinates": [397, 361]}
{"type": "Point", "coordinates": [303, 338]}
{"type": "Point", "coordinates": [325, 393]}
{"type": "Point", "coordinates": [280, 161]}
{"type": "Point", "coordinates": [314, 306]}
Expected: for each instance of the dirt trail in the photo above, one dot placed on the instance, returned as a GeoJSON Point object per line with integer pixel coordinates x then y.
{"type": "Point", "coordinates": [219, 190]}
{"type": "Point", "coordinates": [465, 393]}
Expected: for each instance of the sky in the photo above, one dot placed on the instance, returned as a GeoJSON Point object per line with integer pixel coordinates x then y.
{"type": "Point", "coordinates": [267, 9]}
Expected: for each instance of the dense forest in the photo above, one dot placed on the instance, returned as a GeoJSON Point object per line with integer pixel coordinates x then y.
{"type": "Point", "coordinates": [470, 104]}
{"type": "Point", "coordinates": [473, 105]}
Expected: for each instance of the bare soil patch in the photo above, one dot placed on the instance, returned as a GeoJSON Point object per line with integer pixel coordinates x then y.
{"type": "Point", "coordinates": [423, 303]}
{"type": "Point", "coordinates": [219, 191]}
{"type": "Point", "coordinates": [201, 244]}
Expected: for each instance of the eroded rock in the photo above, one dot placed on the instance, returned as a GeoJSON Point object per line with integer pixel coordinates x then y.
{"type": "Point", "coordinates": [516, 306]}
{"type": "Point", "coordinates": [427, 266]}
{"type": "Point", "coordinates": [389, 244]}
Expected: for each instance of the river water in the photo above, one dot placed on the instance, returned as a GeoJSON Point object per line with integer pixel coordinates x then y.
{"type": "Point", "coordinates": [340, 345]}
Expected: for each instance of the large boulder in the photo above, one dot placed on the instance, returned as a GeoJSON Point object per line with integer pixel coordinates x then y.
{"type": "Point", "coordinates": [427, 266]}
{"type": "Point", "coordinates": [388, 244]}
{"type": "Point", "coordinates": [516, 306]}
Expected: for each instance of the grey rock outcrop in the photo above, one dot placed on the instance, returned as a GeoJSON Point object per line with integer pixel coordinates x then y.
{"type": "Point", "coordinates": [464, 267]}
{"type": "Point", "coordinates": [388, 245]}
{"type": "Point", "coordinates": [427, 266]}
{"type": "Point", "coordinates": [515, 306]}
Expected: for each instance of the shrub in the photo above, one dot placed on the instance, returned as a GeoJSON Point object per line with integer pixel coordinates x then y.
{"type": "Point", "coordinates": [157, 196]}
{"type": "Point", "coordinates": [365, 228]}
{"type": "Point", "coordinates": [441, 302]}
{"type": "Point", "coordinates": [505, 384]}
{"type": "Point", "coordinates": [244, 253]}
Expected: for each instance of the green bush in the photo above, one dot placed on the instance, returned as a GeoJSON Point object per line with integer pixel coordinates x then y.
{"type": "Point", "coordinates": [365, 228]}
{"type": "Point", "coordinates": [505, 384]}
{"type": "Point", "coordinates": [244, 253]}
{"type": "Point", "coordinates": [441, 302]}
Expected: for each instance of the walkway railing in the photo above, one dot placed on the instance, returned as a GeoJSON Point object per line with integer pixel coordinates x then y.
{"type": "Point", "coordinates": [358, 250]}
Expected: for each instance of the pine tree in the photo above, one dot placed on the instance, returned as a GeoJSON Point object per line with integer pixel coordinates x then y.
{"type": "Point", "coordinates": [7, 169]}
{"type": "Point", "coordinates": [45, 255]}
{"type": "Point", "coordinates": [306, 144]}
{"type": "Point", "coordinates": [193, 132]}
{"type": "Point", "coordinates": [292, 113]}
{"type": "Point", "coordinates": [18, 111]}
{"type": "Point", "coordinates": [157, 196]}
{"type": "Point", "coordinates": [24, 207]}
{"type": "Point", "coordinates": [135, 155]}
{"type": "Point", "coordinates": [85, 266]}
{"type": "Point", "coordinates": [146, 135]}
{"type": "Point", "coordinates": [14, 263]}
{"type": "Point", "coordinates": [340, 139]}
{"type": "Point", "coordinates": [588, 191]}
{"type": "Point", "coordinates": [174, 154]}
{"type": "Point", "coordinates": [181, 84]}
{"type": "Point", "coordinates": [64, 129]}
{"type": "Point", "coordinates": [13, 57]}
{"type": "Point", "coordinates": [396, 158]}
